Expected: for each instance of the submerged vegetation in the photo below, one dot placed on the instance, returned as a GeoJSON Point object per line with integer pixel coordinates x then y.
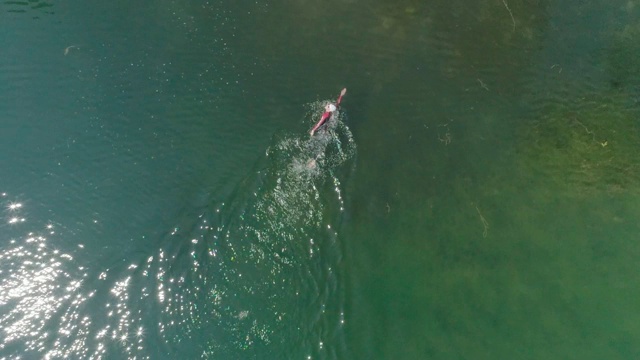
{"type": "Point", "coordinates": [589, 146]}
{"type": "Point", "coordinates": [624, 64]}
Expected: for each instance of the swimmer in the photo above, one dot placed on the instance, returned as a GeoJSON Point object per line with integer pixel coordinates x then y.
{"type": "Point", "coordinates": [329, 109]}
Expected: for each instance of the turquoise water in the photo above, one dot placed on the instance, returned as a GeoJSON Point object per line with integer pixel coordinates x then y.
{"type": "Point", "coordinates": [475, 198]}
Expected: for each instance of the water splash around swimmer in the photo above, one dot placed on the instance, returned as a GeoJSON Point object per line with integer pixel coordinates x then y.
{"type": "Point", "coordinates": [331, 144]}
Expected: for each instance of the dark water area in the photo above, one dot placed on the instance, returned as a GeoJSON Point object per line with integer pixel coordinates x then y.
{"type": "Point", "coordinates": [474, 197]}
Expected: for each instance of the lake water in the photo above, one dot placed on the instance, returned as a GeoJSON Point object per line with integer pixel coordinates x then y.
{"type": "Point", "coordinates": [477, 196]}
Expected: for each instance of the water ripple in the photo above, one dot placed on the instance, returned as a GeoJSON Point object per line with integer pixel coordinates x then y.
{"type": "Point", "coordinates": [249, 276]}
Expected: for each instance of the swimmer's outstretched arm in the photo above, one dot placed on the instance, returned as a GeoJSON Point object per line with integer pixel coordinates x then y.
{"type": "Point", "coordinates": [344, 91]}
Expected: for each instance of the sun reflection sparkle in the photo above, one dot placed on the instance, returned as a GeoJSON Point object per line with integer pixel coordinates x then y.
{"type": "Point", "coordinates": [14, 206]}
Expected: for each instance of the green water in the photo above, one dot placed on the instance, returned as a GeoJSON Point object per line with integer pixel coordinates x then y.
{"type": "Point", "coordinates": [475, 198]}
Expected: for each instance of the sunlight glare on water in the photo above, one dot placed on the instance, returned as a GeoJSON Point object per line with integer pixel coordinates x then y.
{"type": "Point", "coordinates": [40, 283]}
{"type": "Point", "coordinates": [236, 279]}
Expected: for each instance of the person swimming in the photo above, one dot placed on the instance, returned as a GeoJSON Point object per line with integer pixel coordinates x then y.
{"type": "Point", "coordinates": [329, 109]}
